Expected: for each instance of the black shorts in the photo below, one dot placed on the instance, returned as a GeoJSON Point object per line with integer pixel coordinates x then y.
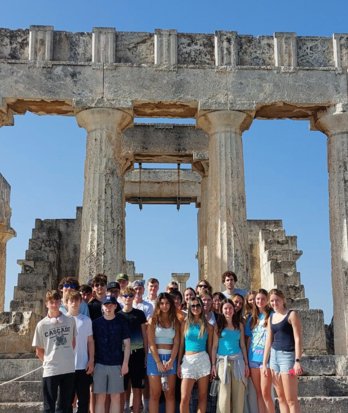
{"type": "Point", "coordinates": [137, 370]}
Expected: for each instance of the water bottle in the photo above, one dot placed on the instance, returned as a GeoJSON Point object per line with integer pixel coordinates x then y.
{"type": "Point", "coordinates": [214, 388]}
{"type": "Point", "coordinates": [164, 382]}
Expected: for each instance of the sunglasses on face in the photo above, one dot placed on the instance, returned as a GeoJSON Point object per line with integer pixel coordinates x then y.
{"type": "Point", "coordinates": [128, 295]}
{"type": "Point", "coordinates": [195, 306]}
{"type": "Point", "coordinates": [202, 286]}
{"type": "Point", "coordinates": [67, 285]}
{"type": "Point", "coordinates": [99, 285]}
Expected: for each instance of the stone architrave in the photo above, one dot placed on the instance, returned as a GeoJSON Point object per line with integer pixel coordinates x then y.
{"type": "Point", "coordinates": [103, 215]}
{"type": "Point", "coordinates": [335, 126]}
{"type": "Point", "coordinates": [227, 239]}
{"type": "Point", "coordinates": [181, 278]}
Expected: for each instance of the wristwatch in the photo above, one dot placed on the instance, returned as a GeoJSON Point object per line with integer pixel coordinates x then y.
{"type": "Point", "coordinates": [297, 360]}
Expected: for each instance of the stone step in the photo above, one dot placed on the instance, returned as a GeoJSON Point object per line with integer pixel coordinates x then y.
{"type": "Point", "coordinates": [20, 391]}
{"type": "Point", "coordinates": [34, 280]}
{"type": "Point", "coordinates": [319, 386]}
{"type": "Point", "coordinates": [12, 368]}
{"type": "Point", "coordinates": [283, 254]}
{"type": "Point", "coordinates": [324, 404]}
{"type": "Point", "coordinates": [28, 407]}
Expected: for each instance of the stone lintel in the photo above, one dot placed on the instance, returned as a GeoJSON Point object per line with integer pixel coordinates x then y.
{"type": "Point", "coordinates": [160, 186]}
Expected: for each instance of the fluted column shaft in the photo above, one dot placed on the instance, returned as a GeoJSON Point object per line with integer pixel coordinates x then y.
{"type": "Point", "coordinates": [102, 248]}
{"type": "Point", "coordinates": [227, 238]}
{"type": "Point", "coordinates": [335, 126]}
{"type": "Point", "coordinates": [202, 230]}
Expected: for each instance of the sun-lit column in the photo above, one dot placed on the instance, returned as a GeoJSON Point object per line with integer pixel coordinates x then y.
{"type": "Point", "coordinates": [102, 248]}
{"type": "Point", "coordinates": [6, 233]}
{"type": "Point", "coordinates": [334, 124]}
{"type": "Point", "coordinates": [227, 238]}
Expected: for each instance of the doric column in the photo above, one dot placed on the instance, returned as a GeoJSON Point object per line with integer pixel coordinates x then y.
{"type": "Point", "coordinates": [335, 126]}
{"type": "Point", "coordinates": [103, 214]}
{"type": "Point", "coordinates": [227, 238]}
{"type": "Point", "coordinates": [6, 233]}
{"type": "Point", "coordinates": [181, 278]}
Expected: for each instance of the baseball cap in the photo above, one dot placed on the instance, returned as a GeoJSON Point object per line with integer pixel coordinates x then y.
{"type": "Point", "coordinates": [138, 283]}
{"type": "Point", "coordinates": [113, 284]}
{"type": "Point", "coordinates": [109, 300]}
{"type": "Point", "coordinates": [122, 276]}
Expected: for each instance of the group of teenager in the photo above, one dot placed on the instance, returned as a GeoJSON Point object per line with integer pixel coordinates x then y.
{"type": "Point", "coordinates": [104, 347]}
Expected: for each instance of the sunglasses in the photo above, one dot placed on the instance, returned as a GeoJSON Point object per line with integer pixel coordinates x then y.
{"type": "Point", "coordinates": [74, 286]}
{"type": "Point", "coordinates": [99, 285]}
{"type": "Point", "coordinates": [202, 285]}
{"type": "Point", "coordinates": [196, 306]}
{"type": "Point", "coordinates": [128, 295]}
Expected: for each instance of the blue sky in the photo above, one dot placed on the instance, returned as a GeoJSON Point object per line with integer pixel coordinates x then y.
{"type": "Point", "coordinates": [285, 164]}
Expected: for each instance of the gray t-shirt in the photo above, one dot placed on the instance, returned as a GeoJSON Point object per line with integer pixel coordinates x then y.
{"type": "Point", "coordinates": [56, 339]}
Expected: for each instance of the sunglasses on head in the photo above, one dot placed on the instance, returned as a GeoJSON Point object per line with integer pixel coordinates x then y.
{"type": "Point", "coordinates": [128, 295]}
{"type": "Point", "coordinates": [68, 285]}
{"type": "Point", "coordinates": [99, 285]}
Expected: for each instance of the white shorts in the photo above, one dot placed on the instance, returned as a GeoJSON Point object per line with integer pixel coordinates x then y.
{"type": "Point", "coordinates": [195, 366]}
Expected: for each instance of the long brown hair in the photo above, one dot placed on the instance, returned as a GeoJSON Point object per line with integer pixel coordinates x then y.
{"type": "Point", "coordinates": [222, 323]}
{"type": "Point", "coordinates": [157, 314]}
{"type": "Point", "coordinates": [191, 320]}
{"type": "Point", "coordinates": [249, 307]}
{"type": "Point", "coordinates": [256, 312]}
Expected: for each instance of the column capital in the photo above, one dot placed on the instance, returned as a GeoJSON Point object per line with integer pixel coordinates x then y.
{"type": "Point", "coordinates": [111, 120]}
{"type": "Point", "coordinates": [223, 120]}
{"type": "Point", "coordinates": [6, 118]}
{"type": "Point", "coordinates": [6, 233]}
{"type": "Point", "coordinates": [332, 121]}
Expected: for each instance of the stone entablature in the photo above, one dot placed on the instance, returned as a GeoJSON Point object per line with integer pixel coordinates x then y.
{"type": "Point", "coordinates": [170, 48]}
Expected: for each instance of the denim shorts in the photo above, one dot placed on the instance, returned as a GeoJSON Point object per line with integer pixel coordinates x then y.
{"type": "Point", "coordinates": [256, 364]}
{"type": "Point", "coordinates": [282, 361]}
{"type": "Point", "coordinates": [152, 369]}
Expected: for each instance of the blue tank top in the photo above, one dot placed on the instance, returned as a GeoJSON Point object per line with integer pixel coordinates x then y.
{"type": "Point", "coordinates": [193, 342]}
{"type": "Point", "coordinates": [229, 342]}
{"type": "Point", "coordinates": [283, 334]}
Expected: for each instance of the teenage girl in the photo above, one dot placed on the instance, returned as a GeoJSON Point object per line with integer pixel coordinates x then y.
{"type": "Point", "coordinates": [284, 343]}
{"type": "Point", "coordinates": [195, 354]}
{"type": "Point", "coordinates": [163, 339]}
{"type": "Point", "coordinates": [256, 332]}
{"type": "Point", "coordinates": [229, 360]}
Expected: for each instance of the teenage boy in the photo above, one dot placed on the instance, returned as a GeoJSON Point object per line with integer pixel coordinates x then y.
{"type": "Point", "coordinates": [111, 336]}
{"type": "Point", "coordinates": [99, 288]}
{"type": "Point", "coordinates": [137, 325]}
{"type": "Point", "coordinates": [54, 339]}
{"type": "Point", "coordinates": [152, 290]}
{"type": "Point", "coordinates": [84, 352]}
{"type": "Point", "coordinates": [229, 279]}
{"type": "Point", "coordinates": [139, 302]}
{"type": "Point", "coordinates": [71, 284]}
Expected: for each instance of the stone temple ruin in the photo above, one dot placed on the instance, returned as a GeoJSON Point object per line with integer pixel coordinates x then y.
{"type": "Point", "coordinates": [223, 80]}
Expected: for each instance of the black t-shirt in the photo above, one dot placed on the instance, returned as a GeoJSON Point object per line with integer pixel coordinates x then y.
{"type": "Point", "coordinates": [108, 338]}
{"type": "Point", "coordinates": [135, 319]}
{"type": "Point", "coordinates": [94, 307]}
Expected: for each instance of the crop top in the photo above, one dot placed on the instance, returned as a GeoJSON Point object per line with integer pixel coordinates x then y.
{"type": "Point", "coordinates": [229, 342]}
{"type": "Point", "coordinates": [283, 334]}
{"type": "Point", "coordinates": [193, 342]}
{"type": "Point", "coordinates": [164, 335]}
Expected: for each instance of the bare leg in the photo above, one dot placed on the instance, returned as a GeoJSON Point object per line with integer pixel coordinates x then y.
{"type": "Point", "coordinates": [155, 393]}
{"type": "Point", "coordinates": [100, 403]}
{"type": "Point", "coordinates": [170, 394]}
{"type": "Point", "coordinates": [266, 388]}
{"type": "Point", "coordinates": [290, 386]}
{"type": "Point", "coordinates": [136, 400]}
{"type": "Point", "coordinates": [186, 389]}
{"type": "Point", "coordinates": [256, 378]}
{"type": "Point", "coordinates": [278, 385]}
{"type": "Point", "coordinates": [203, 383]}
{"type": "Point", "coordinates": [115, 403]}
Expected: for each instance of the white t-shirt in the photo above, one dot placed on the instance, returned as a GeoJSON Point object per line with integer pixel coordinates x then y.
{"type": "Point", "coordinates": [56, 340]}
{"type": "Point", "coordinates": [84, 330]}
{"type": "Point", "coordinates": [144, 306]}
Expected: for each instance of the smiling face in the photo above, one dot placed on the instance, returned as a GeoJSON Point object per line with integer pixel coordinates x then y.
{"type": "Point", "coordinates": [164, 305]}
{"type": "Point", "coordinates": [238, 303]}
{"type": "Point", "coordinates": [196, 308]}
{"type": "Point", "coordinates": [229, 283]}
{"type": "Point", "coordinates": [152, 288]}
{"type": "Point", "coordinates": [100, 289]}
{"type": "Point", "coordinates": [261, 301]}
{"type": "Point", "coordinates": [228, 311]}
{"type": "Point", "coordinates": [276, 302]}
{"type": "Point", "coordinates": [207, 303]}
{"type": "Point", "coordinates": [188, 295]}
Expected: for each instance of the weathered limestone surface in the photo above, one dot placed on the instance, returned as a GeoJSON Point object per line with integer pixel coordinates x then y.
{"type": "Point", "coordinates": [181, 278]}
{"type": "Point", "coordinates": [6, 233]}
{"type": "Point", "coordinates": [227, 239]}
{"type": "Point", "coordinates": [102, 248]}
{"type": "Point", "coordinates": [335, 125]}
